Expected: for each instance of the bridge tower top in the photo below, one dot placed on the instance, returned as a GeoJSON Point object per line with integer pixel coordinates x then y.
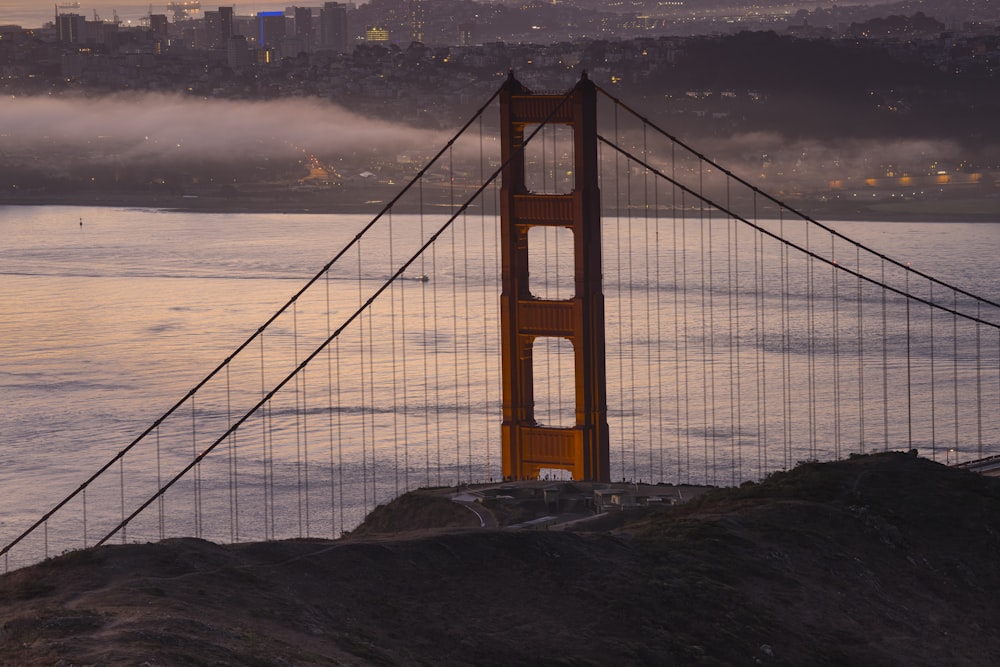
{"type": "Point", "coordinates": [528, 447]}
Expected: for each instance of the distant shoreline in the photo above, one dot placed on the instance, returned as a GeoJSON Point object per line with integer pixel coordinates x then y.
{"type": "Point", "coordinates": [979, 210]}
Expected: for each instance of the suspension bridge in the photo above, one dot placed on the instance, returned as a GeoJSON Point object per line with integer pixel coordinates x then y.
{"type": "Point", "coordinates": [564, 289]}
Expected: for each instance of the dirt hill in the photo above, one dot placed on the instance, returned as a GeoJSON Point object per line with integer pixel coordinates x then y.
{"type": "Point", "coordinates": [879, 560]}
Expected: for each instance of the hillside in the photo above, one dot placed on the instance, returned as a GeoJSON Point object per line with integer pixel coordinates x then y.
{"type": "Point", "coordinates": [878, 560]}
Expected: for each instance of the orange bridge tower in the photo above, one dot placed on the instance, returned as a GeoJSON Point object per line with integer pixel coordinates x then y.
{"type": "Point", "coordinates": [528, 446]}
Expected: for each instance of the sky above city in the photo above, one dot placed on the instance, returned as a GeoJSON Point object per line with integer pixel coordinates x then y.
{"type": "Point", "coordinates": [34, 13]}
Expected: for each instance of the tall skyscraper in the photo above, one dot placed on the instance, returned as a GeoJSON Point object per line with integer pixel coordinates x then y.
{"type": "Point", "coordinates": [271, 29]}
{"type": "Point", "coordinates": [417, 20]}
{"type": "Point", "coordinates": [219, 27]}
{"type": "Point", "coordinates": [237, 53]}
{"type": "Point", "coordinates": [333, 26]}
{"type": "Point", "coordinates": [71, 28]}
{"type": "Point", "coordinates": [303, 23]}
{"type": "Point", "coordinates": [225, 24]}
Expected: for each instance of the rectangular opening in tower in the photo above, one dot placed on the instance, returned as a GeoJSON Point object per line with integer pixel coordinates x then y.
{"type": "Point", "coordinates": [550, 263]}
{"type": "Point", "coordinates": [549, 159]}
{"type": "Point", "coordinates": [554, 372]}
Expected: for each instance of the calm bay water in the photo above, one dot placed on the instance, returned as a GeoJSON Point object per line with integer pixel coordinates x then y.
{"type": "Point", "coordinates": [109, 322]}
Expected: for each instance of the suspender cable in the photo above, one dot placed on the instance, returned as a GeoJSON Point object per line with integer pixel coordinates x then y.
{"type": "Point", "coordinates": [885, 365]}
{"type": "Point", "coordinates": [909, 374]}
{"type": "Point", "coordinates": [297, 392]}
{"type": "Point", "coordinates": [979, 386]}
{"type": "Point", "coordinates": [735, 359]}
{"type": "Point", "coordinates": [933, 380]}
{"type": "Point", "coordinates": [649, 311]}
{"type": "Point", "coordinates": [706, 332]}
{"type": "Point", "coordinates": [835, 303]}
{"type": "Point", "coordinates": [678, 293]}
{"type": "Point", "coordinates": [330, 407]}
{"type": "Point", "coordinates": [861, 357]}
{"type": "Point", "coordinates": [786, 447]}
{"type": "Point", "coordinates": [395, 368]}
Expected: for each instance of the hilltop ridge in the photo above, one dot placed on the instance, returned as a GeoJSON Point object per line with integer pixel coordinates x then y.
{"type": "Point", "coordinates": [882, 559]}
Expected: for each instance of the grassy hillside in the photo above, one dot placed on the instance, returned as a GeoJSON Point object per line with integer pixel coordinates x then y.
{"type": "Point", "coordinates": [886, 559]}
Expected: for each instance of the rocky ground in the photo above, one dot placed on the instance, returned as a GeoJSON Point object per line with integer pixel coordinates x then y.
{"type": "Point", "coordinates": [879, 560]}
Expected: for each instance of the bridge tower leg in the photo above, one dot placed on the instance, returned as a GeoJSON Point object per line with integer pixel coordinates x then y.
{"type": "Point", "coordinates": [528, 447]}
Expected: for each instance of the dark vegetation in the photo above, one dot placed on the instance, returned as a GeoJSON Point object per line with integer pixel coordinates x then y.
{"type": "Point", "coordinates": [879, 560]}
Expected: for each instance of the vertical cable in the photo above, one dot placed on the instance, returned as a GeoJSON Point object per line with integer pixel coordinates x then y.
{"type": "Point", "coordinates": [629, 294]}
{"type": "Point", "coordinates": [330, 408]}
{"type": "Point", "coordinates": [305, 454]}
{"type": "Point", "coordinates": [706, 332]}
{"type": "Point", "coordinates": [426, 343]}
{"type": "Point", "coordinates": [649, 305]}
{"type": "Point", "coordinates": [736, 390]}
{"type": "Point", "coordinates": [197, 470]}
{"type": "Point", "coordinates": [761, 347]}
{"type": "Point", "coordinates": [486, 344]}
{"type": "Point", "coordinates": [931, 309]}
{"type": "Point", "coordinates": [678, 292]}
{"type": "Point", "coordinates": [685, 343]}
{"type": "Point", "coordinates": [835, 302]}
{"type": "Point", "coordinates": [783, 304]}
{"type": "Point", "coordinates": [979, 382]}
{"type": "Point", "coordinates": [159, 485]}
{"type": "Point", "coordinates": [371, 402]}
{"type": "Point", "coordinates": [264, 433]}
{"type": "Point", "coordinates": [121, 492]}
{"type": "Point", "coordinates": [84, 502]}
{"type": "Point", "coordinates": [885, 364]}
{"type": "Point", "coordinates": [661, 413]}
{"type": "Point", "coordinates": [298, 416]}
{"type": "Point", "coordinates": [711, 349]}
{"type": "Point", "coordinates": [467, 338]}
{"type": "Point", "coordinates": [909, 381]}
{"type": "Point", "coordinates": [232, 457]}
{"type": "Point", "coordinates": [437, 360]}
{"type": "Point", "coordinates": [954, 358]}
{"type": "Point", "coordinates": [340, 437]}
{"type": "Point", "coordinates": [618, 269]}
{"type": "Point", "coordinates": [453, 233]}
{"type": "Point", "coordinates": [861, 355]}
{"type": "Point", "coordinates": [404, 390]}
{"type": "Point", "coordinates": [392, 337]}
{"type": "Point", "coordinates": [811, 365]}
{"type": "Point", "coordinates": [362, 383]}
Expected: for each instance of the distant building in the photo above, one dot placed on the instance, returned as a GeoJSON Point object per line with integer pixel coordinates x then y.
{"type": "Point", "coordinates": [270, 29]}
{"type": "Point", "coordinates": [304, 26]}
{"type": "Point", "coordinates": [71, 28]}
{"type": "Point", "coordinates": [225, 24]}
{"type": "Point", "coordinates": [465, 34]}
{"type": "Point", "coordinates": [219, 27]}
{"type": "Point", "coordinates": [238, 53]}
{"type": "Point", "coordinates": [158, 24]}
{"type": "Point", "coordinates": [333, 26]}
{"type": "Point", "coordinates": [374, 33]}
{"type": "Point", "coordinates": [417, 20]}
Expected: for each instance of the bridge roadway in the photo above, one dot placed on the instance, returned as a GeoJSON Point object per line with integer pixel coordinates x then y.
{"type": "Point", "coordinates": [556, 505]}
{"type": "Point", "coordinates": [989, 466]}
